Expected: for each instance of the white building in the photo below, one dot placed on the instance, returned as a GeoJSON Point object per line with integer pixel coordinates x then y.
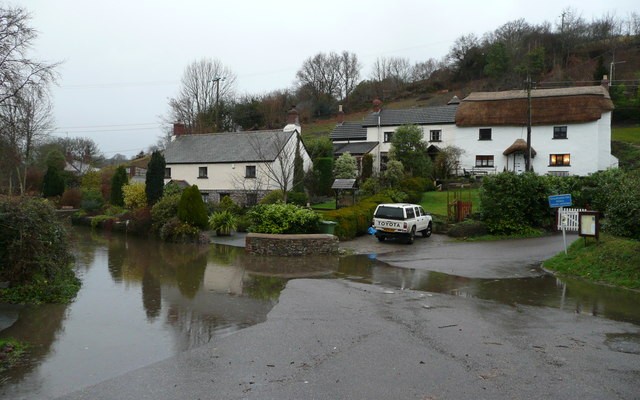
{"type": "Point", "coordinates": [242, 165]}
{"type": "Point", "coordinates": [570, 135]}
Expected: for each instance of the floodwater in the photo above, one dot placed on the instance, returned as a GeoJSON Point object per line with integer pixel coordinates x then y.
{"type": "Point", "coordinates": [143, 301]}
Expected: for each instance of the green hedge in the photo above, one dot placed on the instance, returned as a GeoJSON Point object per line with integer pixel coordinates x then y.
{"type": "Point", "coordinates": [355, 220]}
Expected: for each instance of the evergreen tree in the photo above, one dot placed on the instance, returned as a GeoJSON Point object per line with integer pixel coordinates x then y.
{"type": "Point", "coordinates": [155, 178]}
{"type": "Point", "coordinates": [298, 171]}
{"type": "Point", "coordinates": [367, 167]}
{"type": "Point", "coordinates": [346, 167]}
{"type": "Point", "coordinates": [408, 147]}
{"type": "Point", "coordinates": [191, 208]}
{"type": "Point", "coordinates": [53, 183]}
{"type": "Point", "coordinates": [118, 180]}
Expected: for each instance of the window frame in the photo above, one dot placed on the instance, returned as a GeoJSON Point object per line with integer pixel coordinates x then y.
{"type": "Point", "coordinates": [200, 172]}
{"type": "Point", "coordinates": [560, 132]}
{"type": "Point", "coordinates": [485, 161]}
{"type": "Point", "coordinates": [388, 136]}
{"type": "Point", "coordinates": [167, 173]}
{"type": "Point", "coordinates": [439, 135]}
{"type": "Point", "coordinates": [560, 160]}
{"type": "Point", "coordinates": [249, 168]}
{"type": "Point", "coordinates": [485, 131]}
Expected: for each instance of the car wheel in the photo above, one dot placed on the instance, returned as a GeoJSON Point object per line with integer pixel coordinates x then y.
{"type": "Point", "coordinates": [427, 232]}
{"type": "Point", "coordinates": [381, 238]}
{"type": "Point", "coordinates": [412, 235]}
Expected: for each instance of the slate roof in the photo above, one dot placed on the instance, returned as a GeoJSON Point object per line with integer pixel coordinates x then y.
{"type": "Point", "coordinates": [357, 148]}
{"type": "Point", "coordinates": [418, 116]}
{"type": "Point", "coordinates": [349, 130]}
{"type": "Point", "coordinates": [255, 146]}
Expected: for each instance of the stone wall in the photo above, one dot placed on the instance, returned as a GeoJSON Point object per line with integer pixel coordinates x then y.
{"type": "Point", "coordinates": [290, 245]}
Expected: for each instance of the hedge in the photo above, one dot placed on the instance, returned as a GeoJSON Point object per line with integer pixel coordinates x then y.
{"type": "Point", "coordinates": [355, 220]}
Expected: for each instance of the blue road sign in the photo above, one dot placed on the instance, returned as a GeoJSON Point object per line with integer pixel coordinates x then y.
{"type": "Point", "coordinates": [560, 200]}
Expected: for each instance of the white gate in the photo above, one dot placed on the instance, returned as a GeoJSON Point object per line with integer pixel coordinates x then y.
{"type": "Point", "coordinates": [571, 221]}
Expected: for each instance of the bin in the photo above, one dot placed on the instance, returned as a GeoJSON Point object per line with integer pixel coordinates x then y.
{"type": "Point", "coordinates": [328, 227]}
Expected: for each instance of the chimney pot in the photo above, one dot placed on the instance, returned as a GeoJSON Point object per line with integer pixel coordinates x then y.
{"type": "Point", "coordinates": [377, 104]}
{"type": "Point", "coordinates": [179, 129]}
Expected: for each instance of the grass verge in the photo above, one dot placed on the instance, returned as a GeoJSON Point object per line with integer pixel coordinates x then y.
{"type": "Point", "coordinates": [60, 290]}
{"type": "Point", "coordinates": [628, 134]}
{"type": "Point", "coordinates": [611, 260]}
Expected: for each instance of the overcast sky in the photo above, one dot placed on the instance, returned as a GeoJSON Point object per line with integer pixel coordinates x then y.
{"type": "Point", "coordinates": [123, 59]}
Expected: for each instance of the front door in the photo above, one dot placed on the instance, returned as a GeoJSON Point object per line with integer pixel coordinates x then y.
{"type": "Point", "coordinates": [518, 163]}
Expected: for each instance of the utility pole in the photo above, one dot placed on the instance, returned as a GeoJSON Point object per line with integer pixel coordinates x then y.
{"type": "Point", "coordinates": [528, 154]}
{"type": "Point", "coordinates": [612, 69]}
{"type": "Point", "coordinates": [217, 81]}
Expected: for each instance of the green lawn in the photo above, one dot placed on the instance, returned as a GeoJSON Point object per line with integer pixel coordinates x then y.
{"type": "Point", "coordinates": [628, 134]}
{"type": "Point", "coordinates": [436, 202]}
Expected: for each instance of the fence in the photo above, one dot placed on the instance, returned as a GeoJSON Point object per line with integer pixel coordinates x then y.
{"type": "Point", "coordinates": [571, 223]}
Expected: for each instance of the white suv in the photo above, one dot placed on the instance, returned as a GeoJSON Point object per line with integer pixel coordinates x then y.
{"type": "Point", "coordinates": [401, 220]}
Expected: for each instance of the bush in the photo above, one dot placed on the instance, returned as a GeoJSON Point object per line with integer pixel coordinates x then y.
{"type": "Point", "coordinates": [71, 198]}
{"type": "Point", "coordinates": [53, 183]}
{"type": "Point", "coordinates": [514, 203]}
{"type": "Point", "coordinates": [243, 223]}
{"type": "Point", "coordinates": [140, 221]}
{"type": "Point", "coordinates": [177, 231]}
{"type": "Point", "coordinates": [468, 228]}
{"type": "Point", "coordinates": [191, 208]}
{"type": "Point", "coordinates": [273, 197]}
{"type": "Point", "coordinates": [165, 209]}
{"type": "Point", "coordinates": [283, 218]}
{"type": "Point", "coordinates": [92, 201]}
{"type": "Point", "coordinates": [297, 198]}
{"type": "Point", "coordinates": [118, 180]}
{"type": "Point", "coordinates": [35, 255]}
{"type": "Point", "coordinates": [623, 209]}
{"type": "Point", "coordinates": [223, 222]}
{"type": "Point", "coordinates": [227, 204]}
{"type": "Point", "coordinates": [134, 196]}
{"type": "Point", "coordinates": [355, 220]}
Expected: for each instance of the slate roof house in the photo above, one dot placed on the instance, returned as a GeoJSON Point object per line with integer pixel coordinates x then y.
{"type": "Point", "coordinates": [571, 131]}
{"type": "Point", "coordinates": [243, 165]}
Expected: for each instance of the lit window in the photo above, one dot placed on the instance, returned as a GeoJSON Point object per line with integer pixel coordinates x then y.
{"type": "Point", "coordinates": [435, 135]}
{"type": "Point", "coordinates": [558, 160]}
{"type": "Point", "coordinates": [202, 172]}
{"type": "Point", "coordinates": [485, 134]}
{"type": "Point", "coordinates": [484, 161]}
{"type": "Point", "coordinates": [388, 136]}
{"type": "Point", "coordinates": [250, 171]}
{"type": "Point", "coordinates": [559, 132]}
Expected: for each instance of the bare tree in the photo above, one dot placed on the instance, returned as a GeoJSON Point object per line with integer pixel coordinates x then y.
{"type": "Point", "coordinates": [423, 70]}
{"type": "Point", "coordinates": [281, 169]}
{"type": "Point", "coordinates": [17, 71]}
{"type": "Point", "coordinates": [205, 85]}
{"type": "Point", "coordinates": [392, 73]}
{"type": "Point", "coordinates": [349, 73]}
{"type": "Point", "coordinates": [321, 75]}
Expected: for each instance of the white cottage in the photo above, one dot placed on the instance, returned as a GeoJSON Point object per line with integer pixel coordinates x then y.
{"type": "Point", "coordinates": [242, 165]}
{"type": "Point", "coordinates": [570, 135]}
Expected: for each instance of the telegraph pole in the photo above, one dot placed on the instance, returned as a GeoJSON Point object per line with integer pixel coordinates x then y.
{"type": "Point", "coordinates": [528, 154]}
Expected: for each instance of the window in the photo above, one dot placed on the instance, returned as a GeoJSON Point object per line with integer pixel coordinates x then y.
{"type": "Point", "coordinates": [388, 136]}
{"type": "Point", "coordinates": [250, 171]}
{"type": "Point", "coordinates": [559, 132]}
{"type": "Point", "coordinates": [410, 213]}
{"type": "Point", "coordinates": [167, 173]}
{"type": "Point", "coordinates": [485, 134]}
{"type": "Point", "coordinates": [559, 160]}
{"type": "Point", "coordinates": [202, 172]}
{"type": "Point", "coordinates": [252, 199]}
{"type": "Point", "coordinates": [205, 197]}
{"type": "Point", "coordinates": [435, 136]}
{"type": "Point", "coordinates": [484, 161]}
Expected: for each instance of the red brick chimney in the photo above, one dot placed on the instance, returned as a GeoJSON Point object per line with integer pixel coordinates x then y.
{"type": "Point", "coordinates": [179, 129]}
{"type": "Point", "coordinates": [340, 115]}
{"type": "Point", "coordinates": [377, 105]}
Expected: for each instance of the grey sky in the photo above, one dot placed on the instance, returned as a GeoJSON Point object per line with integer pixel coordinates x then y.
{"type": "Point", "coordinates": [123, 59]}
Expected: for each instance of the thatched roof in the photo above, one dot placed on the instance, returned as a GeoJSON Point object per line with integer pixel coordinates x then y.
{"type": "Point", "coordinates": [519, 146]}
{"type": "Point", "coordinates": [548, 107]}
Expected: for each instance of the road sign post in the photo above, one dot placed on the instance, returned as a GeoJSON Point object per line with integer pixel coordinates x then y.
{"type": "Point", "coordinates": [560, 201]}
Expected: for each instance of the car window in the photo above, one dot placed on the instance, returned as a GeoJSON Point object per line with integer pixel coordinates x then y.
{"type": "Point", "coordinates": [410, 213]}
{"type": "Point", "coordinates": [422, 212]}
{"type": "Point", "coordinates": [389, 213]}
{"type": "Point", "coordinates": [417, 210]}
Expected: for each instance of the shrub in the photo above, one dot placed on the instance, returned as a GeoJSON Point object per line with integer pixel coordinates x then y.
{"type": "Point", "coordinates": [227, 204]}
{"type": "Point", "coordinates": [154, 180]}
{"type": "Point", "coordinates": [191, 208]}
{"type": "Point", "coordinates": [139, 221]}
{"type": "Point", "coordinates": [273, 197]}
{"type": "Point", "coordinates": [623, 209]}
{"type": "Point", "coordinates": [177, 231]}
{"type": "Point", "coordinates": [323, 171]}
{"type": "Point", "coordinates": [53, 183]}
{"type": "Point", "coordinates": [134, 195]}
{"type": "Point", "coordinates": [35, 255]}
{"type": "Point", "coordinates": [468, 228]}
{"type": "Point", "coordinates": [92, 201]}
{"type": "Point", "coordinates": [71, 198]}
{"type": "Point", "coordinates": [223, 222]}
{"type": "Point", "coordinates": [297, 198]}
{"type": "Point", "coordinates": [243, 223]}
{"type": "Point", "coordinates": [165, 209]}
{"type": "Point", "coordinates": [283, 218]}
{"type": "Point", "coordinates": [355, 220]}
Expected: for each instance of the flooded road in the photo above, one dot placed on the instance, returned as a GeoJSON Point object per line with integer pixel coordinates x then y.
{"type": "Point", "coordinates": [144, 301]}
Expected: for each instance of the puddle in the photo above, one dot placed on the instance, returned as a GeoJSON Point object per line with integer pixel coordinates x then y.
{"type": "Point", "coordinates": [624, 342]}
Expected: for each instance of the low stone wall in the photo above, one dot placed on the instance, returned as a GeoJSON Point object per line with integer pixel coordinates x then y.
{"type": "Point", "coordinates": [290, 245]}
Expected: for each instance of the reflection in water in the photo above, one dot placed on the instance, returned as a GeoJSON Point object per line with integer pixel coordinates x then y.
{"type": "Point", "coordinates": [143, 301]}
